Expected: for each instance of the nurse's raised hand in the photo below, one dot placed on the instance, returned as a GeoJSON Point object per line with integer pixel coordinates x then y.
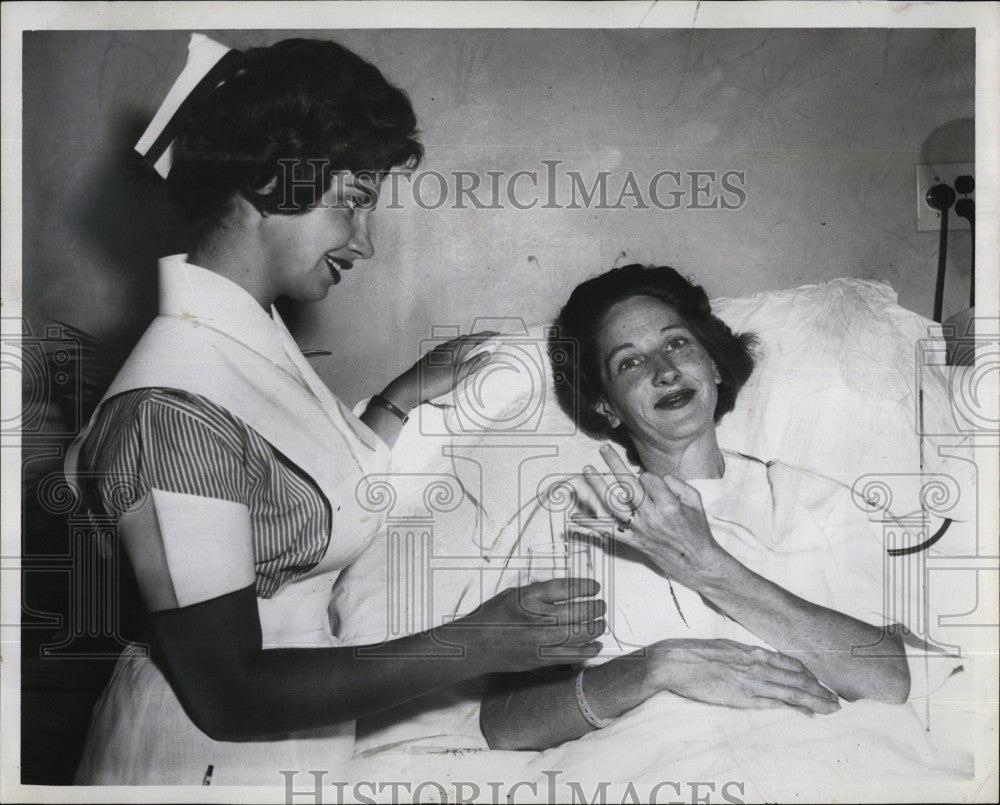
{"type": "Point", "coordinates": [439, 371]}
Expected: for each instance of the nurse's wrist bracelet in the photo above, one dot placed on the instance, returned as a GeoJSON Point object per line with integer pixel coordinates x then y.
{"type": "Point", "coordinates": [389, 406]}
{"type": "Point", "coordinates": [588, 713]}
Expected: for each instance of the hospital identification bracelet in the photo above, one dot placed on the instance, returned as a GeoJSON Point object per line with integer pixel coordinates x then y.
{"type": "Point", "coordinates": [588, 713]}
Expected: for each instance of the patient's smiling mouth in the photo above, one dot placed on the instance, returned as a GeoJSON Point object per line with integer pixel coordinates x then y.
{"type": "Point", "coordinates": [676, 399]}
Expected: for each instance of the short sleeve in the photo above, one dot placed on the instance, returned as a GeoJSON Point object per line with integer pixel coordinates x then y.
{"type": "Point", "coordinates": [167, 441]}
{"type": "Point", "coordinates": [184, 520]}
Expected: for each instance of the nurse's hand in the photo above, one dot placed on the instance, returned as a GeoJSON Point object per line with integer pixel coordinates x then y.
{"type": "Point", "coordinates": [732, 674]}
{"type": "Point", "coordinates": [545, 623]}
{"type": "Point", "coordinates": [439, 371]}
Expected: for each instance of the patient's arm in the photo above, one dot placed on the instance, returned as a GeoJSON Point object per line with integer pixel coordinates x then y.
{"type": "Point", "coordinates": [670, 527]}
{"type": "Point", "coordinates": [528, 712]}
{"type": "Point", "coordinates": [823, 638]}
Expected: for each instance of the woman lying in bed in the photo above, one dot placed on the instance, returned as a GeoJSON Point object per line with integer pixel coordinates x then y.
{"type": "Point", "coordinates": [657, 370]}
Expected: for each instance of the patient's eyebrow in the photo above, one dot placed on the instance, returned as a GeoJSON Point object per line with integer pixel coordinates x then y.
{"type": "Point", "coordinates": [630, 345]}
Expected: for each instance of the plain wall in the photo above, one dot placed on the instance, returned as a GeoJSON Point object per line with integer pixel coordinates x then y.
{"type": "Point", "coordinates": [827, 127]}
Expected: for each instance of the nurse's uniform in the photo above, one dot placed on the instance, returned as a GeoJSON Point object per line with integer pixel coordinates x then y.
{"type": "Point", "coordinates": [226, 453]}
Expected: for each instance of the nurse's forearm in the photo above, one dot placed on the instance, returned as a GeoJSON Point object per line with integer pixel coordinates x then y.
{"type": "Point", "coordinates": [236, 691]}
{"type": "Point", "coordinates": [825, 640]}
{"type": "Point", "coordinates": [386, 424]}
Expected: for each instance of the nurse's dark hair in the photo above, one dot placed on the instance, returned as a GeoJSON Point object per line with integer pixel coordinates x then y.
{"type": "Point", "coordinates": [281, 124]}
{"type": "Point", "coordinates": [579, 388]}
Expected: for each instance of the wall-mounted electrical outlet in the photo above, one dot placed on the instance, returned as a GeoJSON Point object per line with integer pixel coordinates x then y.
{"type": "Point", "coordinates": [929, 219]}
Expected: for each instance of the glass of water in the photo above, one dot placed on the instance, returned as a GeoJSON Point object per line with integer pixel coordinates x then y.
{"type": "Point", "coordinates": [558, 560]}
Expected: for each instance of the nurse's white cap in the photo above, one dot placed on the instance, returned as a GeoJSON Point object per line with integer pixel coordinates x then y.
{"type": "Point", "coordinates": [207, 67]}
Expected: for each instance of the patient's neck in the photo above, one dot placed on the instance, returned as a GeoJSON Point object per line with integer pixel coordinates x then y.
{"type": "Point", "coordinates": [688, 460]}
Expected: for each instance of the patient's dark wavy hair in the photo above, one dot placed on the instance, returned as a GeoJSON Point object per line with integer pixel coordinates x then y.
{"type": "Point", "coordinates": [285, 119]}
{"type": "Point", "coordinates": [579, 388]}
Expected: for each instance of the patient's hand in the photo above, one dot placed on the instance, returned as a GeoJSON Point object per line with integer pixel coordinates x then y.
{"type": "Point", "coordinates": [508, 632]}
{"type": "Point", "coordinates": [667, 522]}
{"type": "Point", "coordinates": [735, 675]}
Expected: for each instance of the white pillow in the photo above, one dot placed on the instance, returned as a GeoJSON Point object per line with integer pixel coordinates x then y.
{"type": "Point", "coordinates": [835, 389]}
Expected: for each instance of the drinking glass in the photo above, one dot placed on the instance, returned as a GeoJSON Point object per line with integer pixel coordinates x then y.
{"type": "Point", "coordinates": [558, 560]}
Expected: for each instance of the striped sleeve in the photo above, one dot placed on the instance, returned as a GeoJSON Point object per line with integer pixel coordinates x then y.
{"type": "Point", "coordinates": [170, 442]}
{"type": "Point", "coordinates": [158, 439]}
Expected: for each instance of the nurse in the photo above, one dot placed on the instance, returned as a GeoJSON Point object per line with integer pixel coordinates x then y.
{"type": "Point", "coordinates": [236, 477]}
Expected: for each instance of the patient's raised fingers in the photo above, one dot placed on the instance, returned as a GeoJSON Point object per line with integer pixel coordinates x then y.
{"type": "Point", "coordinates": [653, 487]}
{"type": "Point", "coordinates": [614, 461]}
{"type": "Point", "coordinates": [587, 501]}
{"type": "Point", "coordinates": [590, 526]}
{"type": "Point", "coordinates": [618, 497]}
{"type": "Point", "coordinates": [584, 532]}
{"type": "Point", "coordinates": [635, 485]}
{"type": "Point", "coordinates": [598, 486]}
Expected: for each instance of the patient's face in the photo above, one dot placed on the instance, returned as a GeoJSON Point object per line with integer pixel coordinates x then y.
{"type": "Point", "coordinates": [657, 378]}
